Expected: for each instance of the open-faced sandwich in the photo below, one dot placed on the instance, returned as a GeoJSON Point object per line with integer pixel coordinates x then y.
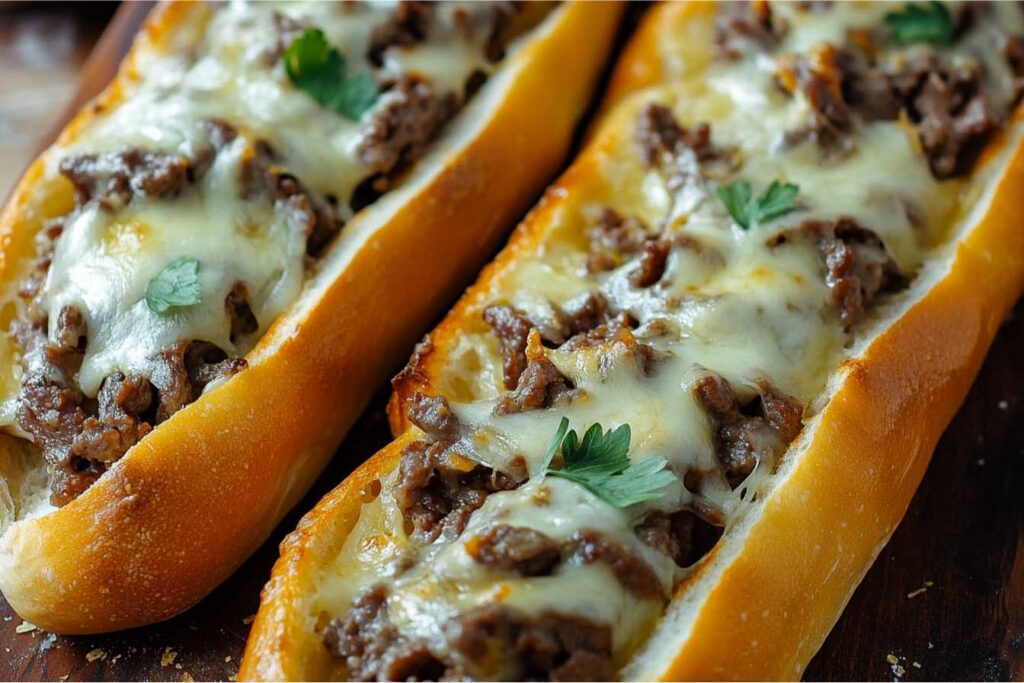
{"type": "Point", "coordinates": [669, 429]}
{"type": "Point", "coordinates": [207, 276]}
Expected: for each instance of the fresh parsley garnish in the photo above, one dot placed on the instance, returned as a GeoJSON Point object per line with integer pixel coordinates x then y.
{"type": "Point", "coordinates": [748, 212]}
{"type": "Point", "coordinates": [319, 70]}
{"type": "Point", "coordinates": [921, 23]}
{"type": "Point", "coordinates": [177, 286]}
{"type": "Point", "coordinates": [600, 464]}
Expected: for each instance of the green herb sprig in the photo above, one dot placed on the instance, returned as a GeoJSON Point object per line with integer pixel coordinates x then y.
{"type": "Point", "coordinates": [600, 464]}
{"type": "Point", "coordinates": [921, 23]}
{"type": "Point", "coordinates": [319, 70]}
{"type": "Point", "coordinates": [748, 211]}
{"type": "Point", "coordinates": [176, 286]}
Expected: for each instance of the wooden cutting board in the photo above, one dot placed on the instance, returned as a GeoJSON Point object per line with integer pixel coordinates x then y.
{"type": "Point", "coordinates": [944, 601]}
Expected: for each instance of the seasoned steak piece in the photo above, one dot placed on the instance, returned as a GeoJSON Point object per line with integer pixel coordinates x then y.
{"type": "Point", "coordinates": [746, 435]}
{"type": "Point", "coordinates": [435, 496]}
{"type": "Point", "coordinates": [371, 647]}
{"type": "Point", "coordinates": [119, 426]}
{"type": "Point", "coordinates": [740, 24]}
{"type": "Point", "coordinates": [243, 320]}
{"type": "Point", "coordinates": [513, 330]}
{"type": "Point", "coordinates": [262, 174]}
{"type": "Point", "coordinates": [433, 415]}
{"type": "Point", "coordinates": [183, 370]}
{"type": "Point", "coordinates": [516, 549]}
{"type": "Point", "coordinates": [552, 646]}
{"type": "Point", "coordinates": [858, 267]}
{"type": "Point", "coordinates": [953, 118]}
{"type": "Point", "coordinates": [652, 264]}
{"type": "Point", "coordinates": [613, 238]}
{"type": "Point", "coordinates": [580, 316]}
{"type": "Point", "coordinates": [600, 334]}
{"type": "Point", "coordinates": [49, 408]}
{"type": "Point", "coordinates": [587, 547]}
{"type": "Point", "coordinates": [820, 79]}
{"type": "Point", "coordinates": [541, 385]}
{"type": "Point", "coordinates": [406, 117]}
{"type": "Point", "coordinates": [406, 26]}
{"type": "Point", "coordinates": [71, 330]}
{"type": "Point", "coordinates": [660, 136]}
{"type": "Point", "coordinates": [114, 178]}
{"type": "Point", "coordinates": [683, 536]}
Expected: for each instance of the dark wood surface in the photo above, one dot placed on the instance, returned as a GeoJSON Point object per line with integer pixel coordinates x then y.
{"type": "Point", "coordinates": [944, 601]}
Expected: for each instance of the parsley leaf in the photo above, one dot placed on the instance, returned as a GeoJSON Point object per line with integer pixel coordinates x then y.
{"type": "Point", "coordinates": [599, 464]}
{"type": "Point", "coordinates": [738, 199]}
{"type": "Point", "coordinates": [930, 23]}
{"type": "Point", "coordinates": [176, 286]}
{"type": "Point", "coordinates": [319, 70]}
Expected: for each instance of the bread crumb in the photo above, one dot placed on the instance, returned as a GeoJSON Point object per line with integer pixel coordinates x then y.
{"type": "Point", "coordinates": [981, 462]}
{"type": "Point", "coordinates": [187, 678]}
{"type": "Point", "coordinates": [894, 663]}
{"type": "Point", "coordinates": [914, 593]}
{"type": "Point", "coordinates": [93, 655]}
{"type": "Point", "coordinates": [168, 657]}
{"type": "Point", "coordinates": [25, 627]}
{"type": "Point", "coordinates": [931, 646]}
{"type": "Point", "coordinates": [227, 659]}
{"type": "Point", "coordinates": [916, 664]}
{"type": "Point", "coordinates": [249, 619]}
{"type": "Point", "coordinates": [1003, 405]}
{"type": "Point", "coordinates": [233, 677]}
{"type": "Point", "coordinates": [177, 666]}
{"type": "Point", "coordinates": [64, 677]}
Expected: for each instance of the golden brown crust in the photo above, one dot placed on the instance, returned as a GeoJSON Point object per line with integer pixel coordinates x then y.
{"type": "Point", "coordinates": [761, 605]}
{"type": "Point", "coordinates": [182, 510]}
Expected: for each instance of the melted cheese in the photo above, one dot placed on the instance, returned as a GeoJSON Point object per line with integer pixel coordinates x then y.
{"type": "Point", "coordinates": [735, 306]}
{"type": "Point", "coordinates": [228, 71]}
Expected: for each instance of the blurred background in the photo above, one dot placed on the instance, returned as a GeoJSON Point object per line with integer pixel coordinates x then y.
{"type": "Point", "coordinates": [43, 47]}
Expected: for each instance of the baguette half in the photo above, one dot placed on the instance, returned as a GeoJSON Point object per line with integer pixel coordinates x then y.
{"type": "Point", "coordinates": [191, 500]}
{"type": "Point", "coordinates": [759, 604]}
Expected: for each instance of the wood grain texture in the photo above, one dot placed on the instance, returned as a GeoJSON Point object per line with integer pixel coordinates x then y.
{"type": "Point", "coordinates": [960, 542]}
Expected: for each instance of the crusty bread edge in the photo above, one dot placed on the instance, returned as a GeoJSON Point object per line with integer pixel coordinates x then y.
{"type": "Point", "coordinates": [195, 497]}
{"type": "Point", "coordinates": [761, 605]}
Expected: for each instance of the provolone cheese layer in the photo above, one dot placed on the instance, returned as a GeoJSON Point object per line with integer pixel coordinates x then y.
{"type": "Point", "coordinates": [656, 296]}
{"type": "Point", "coordinates": [210, 187]}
